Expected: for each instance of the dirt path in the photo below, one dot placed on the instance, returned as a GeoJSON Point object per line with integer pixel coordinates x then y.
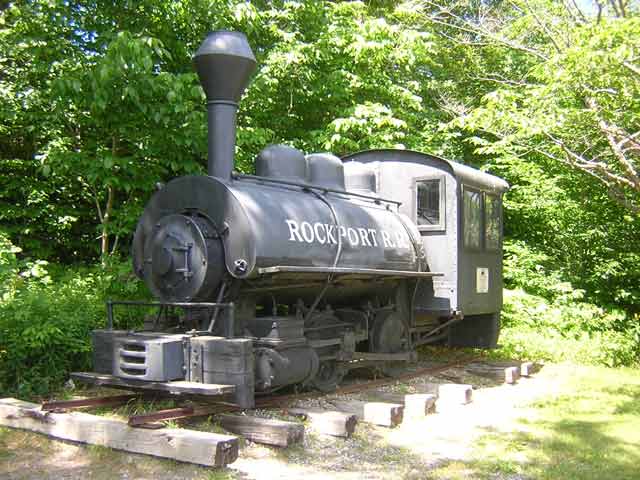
{"type": "Point", "coordinates": [408, 451]}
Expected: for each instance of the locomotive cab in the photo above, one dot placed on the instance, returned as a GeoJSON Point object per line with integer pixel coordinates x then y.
{"type": "Point", "coordinates": [458, 211]}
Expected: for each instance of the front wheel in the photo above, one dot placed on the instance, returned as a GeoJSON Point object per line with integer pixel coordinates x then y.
{"type": "Point", "coordinates": [390, 335]}
{"type": "Point", "coordinates": [329, 376]}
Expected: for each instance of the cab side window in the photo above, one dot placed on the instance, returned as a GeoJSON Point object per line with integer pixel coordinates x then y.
{"type": "Point", "coordinates": [430, 204]}
{"type": "Point", "coordinates": [492, 221]}
{"type": "Point", "coordinates": [472, 218]}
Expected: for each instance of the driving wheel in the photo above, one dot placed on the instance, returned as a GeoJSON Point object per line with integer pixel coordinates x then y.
{"type": "Point", "coordinates": [329, 376]}
{"type": "Point", "coordinates": [390, 335]}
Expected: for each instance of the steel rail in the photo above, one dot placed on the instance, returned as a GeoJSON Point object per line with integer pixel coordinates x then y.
{"type": "Point", "coordinates": [149, 420]}
{"type": "Point", "coordinates": [89, 402]}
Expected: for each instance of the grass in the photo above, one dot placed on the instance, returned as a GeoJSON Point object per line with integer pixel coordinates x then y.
{"type": "Point", "coordinates": [590, 429]}
{"type": "Point", "coordinates": [99, 453]}
{"type": "Point", "coordinates": [5, 454]}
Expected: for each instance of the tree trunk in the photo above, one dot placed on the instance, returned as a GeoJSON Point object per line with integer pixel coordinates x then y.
{"type": "Point", "coordinates": [104, 249]}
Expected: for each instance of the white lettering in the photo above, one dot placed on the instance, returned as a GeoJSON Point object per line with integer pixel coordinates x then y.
{"type": "Point", "coordinates": [307, 232]}
{"type": "Point", "coordinates": [386, 238]}
{"type": "Point", "coordinates": [353, 239]}
{"type": "Point", "coordinates": [317, 227]}
{"type": "Point", "coordinates": [372, 232]}
{"type": "Point", "coordinates": [294, 233]}
{"type": "Point", "coordinates": [400, 240]}
{"type": "Point", "coordinates": [330, 231]}
{"type": "Point", "coordinates": [364, 238]}
{"type": "Point", "coordinates": [326, 234]}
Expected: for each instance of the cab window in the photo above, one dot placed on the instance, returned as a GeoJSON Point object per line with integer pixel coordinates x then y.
{"type": "Point", "coordinates": [492, 219]}
{"type": "Point", "coordinates": [430, 203]}
{"type": "Point", "coordinates": [472, 218]}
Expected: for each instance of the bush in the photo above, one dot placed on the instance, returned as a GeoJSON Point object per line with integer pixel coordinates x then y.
{"type": "Point", "coordinates": [44, 334]}
{"type": "Point", "coordinates": [566, 329]}
{"type": "Point", "coordinates": [46, 316]}
{"type": "Point", "coordinates": [546, 318]}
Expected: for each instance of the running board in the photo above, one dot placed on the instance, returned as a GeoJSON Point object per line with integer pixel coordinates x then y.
{"type": "Point", "coordinates": [386, 357]}
{"type": "Point", "coordinates": [180, 386]}
{"type": "Point", "coordinates": [347, 271]}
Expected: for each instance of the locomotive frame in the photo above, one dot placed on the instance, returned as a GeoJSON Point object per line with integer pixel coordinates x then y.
{"type": "Point", "coordinates": [311, 267]}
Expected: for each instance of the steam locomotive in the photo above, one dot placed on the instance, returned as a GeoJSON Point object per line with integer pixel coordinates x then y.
{"type": "Point", "coordinates": [311, 267]}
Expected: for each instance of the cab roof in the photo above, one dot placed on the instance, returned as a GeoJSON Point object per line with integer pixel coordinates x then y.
{"type": "Point", "coordinates": [463, 173]}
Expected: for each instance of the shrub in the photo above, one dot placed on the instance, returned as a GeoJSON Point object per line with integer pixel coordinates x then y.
{"type": "Point", "coordinates": [545, 317]}
{"type": "Point", "coordinates": [44, 333]}
{"type": "Point", "coordinates": [46, 320]}
{"type": "Point", "coordinates": [566, 329]}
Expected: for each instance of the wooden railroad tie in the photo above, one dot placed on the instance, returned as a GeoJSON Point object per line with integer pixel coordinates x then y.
{"type": "Point", "coordinates": [527, 369]}
{"type": "Point", "coordinates": [263, 430]}
{"type": "Point", "coordinates": [204, 448]}
{"type": "Point", "coordinates": [453, 395]}
{"type": "Point", "coordinates": [377, 413]}
{"type": "Point", "coordinates": [259, 430]}
{"type": "Point", "coordinates": [328, 422]}
{"type": "Point", "coordinates": [416, 405]}
{"type": "Point", "coordinates": [507, 371]}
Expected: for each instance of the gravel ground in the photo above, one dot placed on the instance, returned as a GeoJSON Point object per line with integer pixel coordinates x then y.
{"type": "Point", "coordinates": [408, 451]}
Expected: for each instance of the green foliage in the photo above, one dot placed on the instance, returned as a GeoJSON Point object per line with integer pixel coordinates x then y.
{"type": "Point", "coordinates": [8, 266]}
{"type": "Point", "coordinates": [567, 229]}
{"type": "Point", "coordinates": [567, 329]}
{"type": "Point", "coordinates": [46, 317]}
{"type": "Point", "coordinates": [545, 317]}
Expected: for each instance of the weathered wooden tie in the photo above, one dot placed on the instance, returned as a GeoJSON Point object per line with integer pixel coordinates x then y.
{"type": "Point", "coordinates": [263, 430]}
{"type": "Point", "coordinates": [451, 395]}
{"type": "Point", "coordinates": [526, 369]}
{"type": "Point", "coordinates": [377, 413]}
{"type": "Point", "coordinates": [511, 375]}
{"type": "Point", "coordinates": [507, 371]}
{"type": "Point", "coordinates": [203, 448]}
{"type": "Point", "coordinates": [328, 422]}
{"type": "Point", "coordinates": [416, 405]}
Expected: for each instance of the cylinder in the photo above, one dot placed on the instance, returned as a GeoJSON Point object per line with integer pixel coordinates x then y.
{"type": "Point", "coordinates": [275, 369]}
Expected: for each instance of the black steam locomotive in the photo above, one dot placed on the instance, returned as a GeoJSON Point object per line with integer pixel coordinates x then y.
{"type": "Point", "coordinates": [313, 266]}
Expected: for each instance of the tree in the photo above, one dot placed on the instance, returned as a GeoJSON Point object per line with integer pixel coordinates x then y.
{"type": "Point", "coordinates": [122, 124]}
{"type": "Point", "coordinates": [573, 94]}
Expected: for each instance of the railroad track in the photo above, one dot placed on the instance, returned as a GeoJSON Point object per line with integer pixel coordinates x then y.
{"type": "Point", "coordinates": [335, 415]}
{"type": "Point", "coordinates": [151, 419]}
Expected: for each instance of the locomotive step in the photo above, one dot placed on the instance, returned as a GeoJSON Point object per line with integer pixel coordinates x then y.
{"type": "Point", "coordinates": [180, 386]}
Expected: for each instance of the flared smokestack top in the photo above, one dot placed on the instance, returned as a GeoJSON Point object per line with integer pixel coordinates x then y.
{"type": "Point", "coordinates": [224, 63]}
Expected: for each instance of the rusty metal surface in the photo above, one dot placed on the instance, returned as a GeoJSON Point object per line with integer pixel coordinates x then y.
{"type": "Point", "coordinates": [89, 402]}
{"type": "Point", "coordinates": [150, 418]}
{"type": "Point", "coordinates": [147, 419]}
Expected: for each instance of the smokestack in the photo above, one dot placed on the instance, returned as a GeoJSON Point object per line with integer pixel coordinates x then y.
{"type": "Point", "coordinates": [224, 63]}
